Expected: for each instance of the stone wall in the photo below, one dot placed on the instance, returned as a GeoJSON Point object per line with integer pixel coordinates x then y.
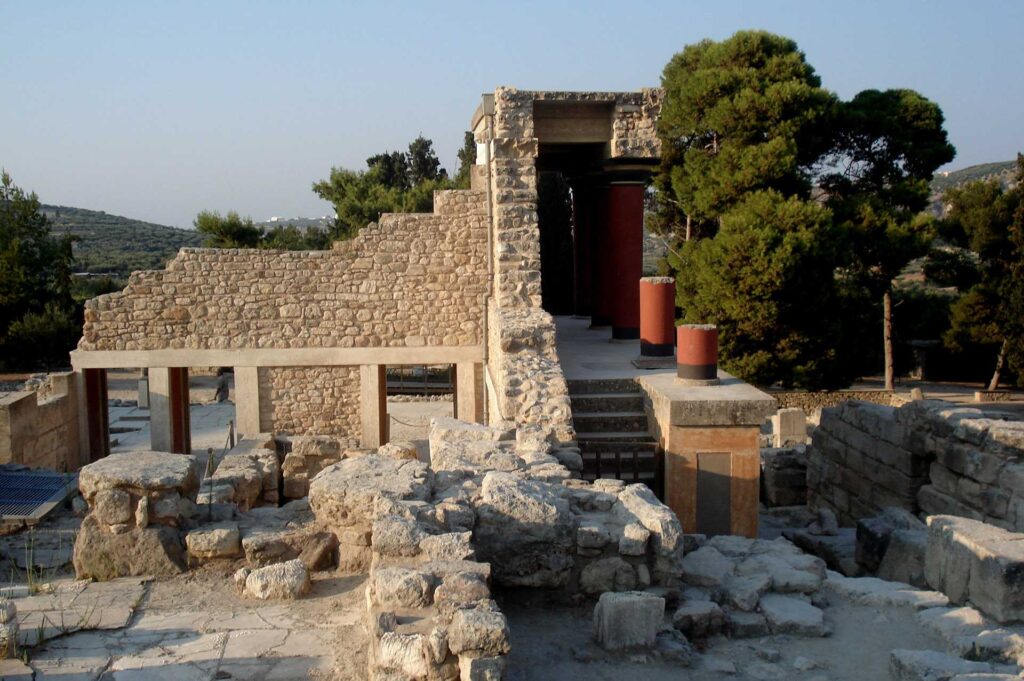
{"type": "Point", "coordinates": [522, 363]}
{"type": "Point", "coordinates": [40, 429]}
{"type": "Point", "coordinates": [927, 457]}
{"type": "Point", "coordinates": [864, 457]}
{"type": "Point", "coordinates": [301, 400]}
{"type": "Point", "coordinates": [809, 401]}
{"type": "Point", "coordinates": [409, 280]}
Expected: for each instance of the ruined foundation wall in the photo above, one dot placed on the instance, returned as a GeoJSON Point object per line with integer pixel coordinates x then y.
{"type": "Point", "coordinates": [927, 457]}
{"type": "Point", "coordinates": [40, 429]}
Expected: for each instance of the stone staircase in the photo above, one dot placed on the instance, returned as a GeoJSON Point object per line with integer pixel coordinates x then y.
{"type": "Point", "coordinates": [612, 431]}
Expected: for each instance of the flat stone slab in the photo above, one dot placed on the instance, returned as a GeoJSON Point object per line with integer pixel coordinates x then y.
{"type": "Point", "coordinates": [76, 606]}
{"type": "Point", "coordinates": [149, 471]}
{"type": "Point", "coordinates": [343, 494]}
{"type": "Point", "coordinates": [878, 592]}
{"type": "Point", "coordinates": [730, 403]}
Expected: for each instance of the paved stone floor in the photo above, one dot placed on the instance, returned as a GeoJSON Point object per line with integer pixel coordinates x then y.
{"type": "Point", "coordinates": [209, 423]}
{"type": "Point", "coordinates": [191, 627]}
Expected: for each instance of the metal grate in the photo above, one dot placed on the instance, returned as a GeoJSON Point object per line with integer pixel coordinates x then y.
{"type": "Point", "coordinates": [32, 495]}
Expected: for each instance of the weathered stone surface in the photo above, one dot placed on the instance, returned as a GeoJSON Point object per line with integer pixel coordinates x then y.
{"type": "Point", "coordinates": [112, 506]}
{"type": "Point", "coordinates": [634, 540]}
{"type": "Point", "coordinates": [481, 632]}
{"type": "Point", "coordinates": [969, 560]}
{"type": "Point", "coordinates": [929, 665]}
{"type": "Point", "coordinates": [399, 450]}
{"type": "Point", "coordinates": [218, 540]}
{"type": "Point", "coordinates": [310, 454]}
{"type": "Point", "coordinates": [141, 471]}
{"type": "Point", "coordinates": [638, 501]}
{"type": "Point", "coordinates": [282, 580]}
{"type": "Point", "coordinates": [345, 493]}
{"type": "Point", "coordinates": [707, 567]}
{"type": "Point", "coordinates": [607, 574]}
{"type": "Point", "coordinates": [699, 619]}
{"type": "Point", "coordinates": [398, 587]}
{"type": "Point", "coordinates": [873, 534]}
{"type": "Point", "coordinates": [482, 668]}
{"type": "Point", "coordinates": [525, 530]}
{"type": "Point", "coordinates": [790, 573]}
{"type": "Point", "coordinates": [102, 555]}
{"type": "Point", "coordinates": [394, 536]}
{"type": "Point", "coordinates": [904, 559]}
{"type": "Point", "coordinates": [8, 628]}
{"type": "Point", "coordinates": [882, 593]}
{"type": "Point", "coordinates": [462, 588]}
{"type": "Point", "coordinates": [448, 546]}
{"type": "Point", "coordinates": [746, 624]}
{"type": "Point", "coordinates": [627, 620]}
{"type": "Point", "coordinates": [743, 592]}
{"type": "Point", "coordinates": [405, 654]}
{"type": "Point", "coordinates": [788, 615]}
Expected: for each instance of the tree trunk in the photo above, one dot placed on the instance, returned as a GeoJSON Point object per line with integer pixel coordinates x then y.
{"type": "Point", "coordinates": [688, 227]}
{"type": "Point", "coordinates": [890, 382]}
{"type": "Point", "coordinates": [1000, 360]}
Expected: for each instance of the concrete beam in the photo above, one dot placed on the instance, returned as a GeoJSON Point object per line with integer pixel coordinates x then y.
{"type": "Point", "coordinates": [275, 357]}
{"type": "Point", "coordinates": [373, 400]}
{"type": "Point", "coordinates": [247, 400]}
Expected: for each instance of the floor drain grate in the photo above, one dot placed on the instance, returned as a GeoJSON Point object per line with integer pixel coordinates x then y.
{"type": "Point", "coordinates": [32, 495]}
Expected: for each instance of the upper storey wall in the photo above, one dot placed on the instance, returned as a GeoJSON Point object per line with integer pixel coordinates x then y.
{"type": "Point", "coordinates": [409, 280]}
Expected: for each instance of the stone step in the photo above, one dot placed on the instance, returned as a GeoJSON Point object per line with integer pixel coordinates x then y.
{"type": "Point", "coordinates": [602, 386]}
{"type": "Point", "coordinates": [610, 422]}
{"type": "Point", "coordinates": [616, 444]}
{"type": "Point", "coordinates": [607, 402]}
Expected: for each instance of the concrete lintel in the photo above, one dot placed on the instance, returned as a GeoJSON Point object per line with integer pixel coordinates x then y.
{"type": "Point", "coordinates": [730, 403]}
{"type": "Point", "coordinates": [274, 357]}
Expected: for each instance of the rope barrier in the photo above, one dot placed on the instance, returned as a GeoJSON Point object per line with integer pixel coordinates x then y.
{"type": "Point", "coordinates": [411, 425]}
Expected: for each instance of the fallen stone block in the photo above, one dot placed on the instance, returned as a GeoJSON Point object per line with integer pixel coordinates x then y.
{"type": "Point", "coordinates": [874, 534]}
{"type": "Point", "coordinates": [904, 559]}
{"type": "Point", "coordinates": [398, 587]}
{"type": "Point", "coordinates": [706, 567]}
{"type": "Point", "coordinates": [879, 592]}
{"type": "Point", "coordinates": [404, 654]}
{"type": "Point", "coordinates": [788, 615]}
{"type": "Point", "coordinates": [482, 668]}
{"type": "Point", "coordinates": [344, 494]}
{"type": "Point", "coordinates": [287, 580]}
{"type": "Point", "coordinates": [699, 619]}
{"type": "Point", "coordinates": [628, 620]}
{"type": "Point", "coordinates": [639, 502]}
{"type": "Point", "coordinates": [744, 592]}
{"type": "Point", "coordinates": [746, 624]}
{"type": "Point", "coordinates": [219, 540]}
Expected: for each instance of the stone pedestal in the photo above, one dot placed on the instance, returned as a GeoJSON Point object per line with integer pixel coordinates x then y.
{"type": "Point", "coordinates": [710, 435]}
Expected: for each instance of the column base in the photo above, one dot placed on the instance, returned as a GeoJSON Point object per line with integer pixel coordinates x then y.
{"type": "Point", "coordinates": [625, 333]}
{"type": "Point", "coordinates": [657, 349]}
{"type": "Point", "coordinates": [600, 322]}
{"type": "Point", "coordinates": [643, 362]}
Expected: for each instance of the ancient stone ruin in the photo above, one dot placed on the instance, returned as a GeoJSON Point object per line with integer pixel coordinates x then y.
{"type": "Point", "coordinates": [588, 470]}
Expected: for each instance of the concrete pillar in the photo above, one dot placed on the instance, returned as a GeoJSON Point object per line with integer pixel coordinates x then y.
{"type": "Point", "coordinates": [169, 428]}
{"type": "Point", "coordinates": [625, 247]}
{"type": "Point", "coordinates": [600, 294]}
{"type": "Point", "coordinates": [469, 396]}
{"type": "Point", "coordinates": [697, 354]}
{"type": "Point", "coordinates": [374, 401]}
{"type": "Point", "coordinates": [94, 417]}
{"type": "Point", "coordinates": [582, 236]}
{"type": "Point", "coordinates": [657, 317]}
{"type": "Point", "coordinates": [247, 400]}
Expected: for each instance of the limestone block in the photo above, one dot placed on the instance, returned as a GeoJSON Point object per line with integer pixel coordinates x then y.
{"type": "Point", "coordinates": [904, 559]}
{"type": "Point", "coordinates": [344, 493]}
{"type": "Point", "coordinates": [462, 588]}
{"type": "Point", "coordinates": [448, 546]}
{"type": "Point", "coordinates": [788, 615]}
{"type": "Point", "coordinates": [286, 580]}
{"type": "Point", "coordinates": [744, 592]}
{"type": "Point", "coordinates": [707, 567]}
{"type": "Point", "coordinates": [140, 472]}
{"type": "Point", "coordinates": [873, 535]}
{"type": "Point", "coordinates": [218, 540]}
{"type": "Point", "coordinates": [525, 530]}
{"type": "Point", "coordinates": [607, 574]}
{"type": "Point", "coordinates": [929, 665]}
{"type": "Point", "coordinates": [398, 587]}
{"type": "Point", "coordinates": [633, 541]}
{"type": "Point", "coordinates": [480, 632]}
{"type": "Point", "coordinates": [103, 555]}
{"type": "Point", "coordinates": [789, 426]}
{"type": "Point", "coordinates": [8, 628]}
{"type": "Point", "coordinates": [746, 624]}
{"type": "Point", "coordinates": [638, 501]}
{"type": "Point", "coordinates": [699, 619]}
{"type": "Point", "coordinates": [970, 560]}
{"type": "Point", "coordinates": [403, 653]}
{"type": "Point", "coordinates": [394, 536]}
{"type": "Point", "coordinates": [112, 506]}
{"type": "Point", "coordinates": [628, 620]}
{"type": "Point", "coordinates": [482, 668]}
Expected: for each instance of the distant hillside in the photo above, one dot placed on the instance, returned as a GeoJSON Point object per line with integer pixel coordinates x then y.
{"type": "Point", "coordinates": [118, 245]}
{"type": "Point", "coordinates": [1003, 171]}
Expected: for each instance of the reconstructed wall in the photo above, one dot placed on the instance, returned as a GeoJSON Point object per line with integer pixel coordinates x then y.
{"type": "Point", "coordinates": [522, 364]}
{"type": "Point", "coordinates": [40, 429]}
{"type": "Point", "coordinates": [927, 457]}
{"type": "Point", "coordinates": [410, 280]}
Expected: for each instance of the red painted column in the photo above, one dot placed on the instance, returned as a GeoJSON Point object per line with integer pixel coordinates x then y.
{"type": "Point", "coordinates": [97, 415]}
{"type": "Point", "coordinates": [582, 235]}
{"type": "Point", "coordinates": [657, 316]}
{"type": "Point", "coordinates": [181, 429]}
{"type": "Point", "coordinates": [697, 354]}
{"type": "Point", "coordinates": [600, 267]}
{"type": "Point", "coordinates": [625, 253]}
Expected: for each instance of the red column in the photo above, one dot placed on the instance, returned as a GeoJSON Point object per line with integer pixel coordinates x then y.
{"type": "Point", "coordinates": [181, 429]}
{"type": "Point", "coordinates": [657, 317]}
{"type": "Point", "coordinates": [582, 216]}
{"type": "Point", "coordinates": [625, 256]}
{"type": "Point", "coordinates": [697, 358]}
{"type": "Point", "coordinates": [97, 416]}
{"type": "Point", "coordinates": [600, 296]}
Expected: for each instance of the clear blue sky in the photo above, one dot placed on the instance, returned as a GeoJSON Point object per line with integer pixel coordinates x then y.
{"type": "Point", "coordinates": [157, 110]}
